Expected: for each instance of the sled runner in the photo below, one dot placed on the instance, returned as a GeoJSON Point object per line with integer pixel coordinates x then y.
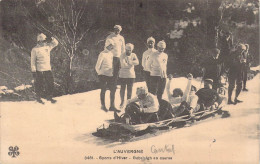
{"type": "Point", "coordinates": [125, 131]}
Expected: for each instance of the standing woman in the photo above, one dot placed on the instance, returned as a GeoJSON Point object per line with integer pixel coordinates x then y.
{"type": "Point", "coordinates": [104, 68]}
{"type": "Point", "coordinates": [145, 58]}
{"type": "Point", "coordinates": [127, 72]}
{"type": "Point", "coordinates": [158, 68]}
{"type": "Point", "coordinates": [246, 65]}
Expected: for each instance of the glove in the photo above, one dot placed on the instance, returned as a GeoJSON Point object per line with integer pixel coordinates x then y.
{"type": "Point", "coordinates": [170, 76]}
{"type": "Point", "coordinates": [189, 76]}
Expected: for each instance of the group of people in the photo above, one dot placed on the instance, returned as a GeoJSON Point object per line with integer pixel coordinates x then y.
{"type": "Point", "coordinates": [117, 62]}
{"type": "Point", "coordinates": [229, 60]}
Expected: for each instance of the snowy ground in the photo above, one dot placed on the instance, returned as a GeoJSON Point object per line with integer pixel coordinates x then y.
{"type": "Point", "coordinates": [61, 133]}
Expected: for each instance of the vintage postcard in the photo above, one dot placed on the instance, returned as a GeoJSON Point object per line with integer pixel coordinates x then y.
{"type": "Point", "coordinates": [129, 81]}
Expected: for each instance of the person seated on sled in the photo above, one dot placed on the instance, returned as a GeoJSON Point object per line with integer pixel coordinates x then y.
{"type": "Point", "coordinates": [208, 97]}
{"type": "Point", "coordinates": [182, 103]}
{"type": "Point", "coordinates": [142, 108]}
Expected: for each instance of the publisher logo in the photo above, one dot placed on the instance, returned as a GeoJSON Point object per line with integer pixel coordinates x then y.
{"type": "Point", "coordinates": [13, 151]}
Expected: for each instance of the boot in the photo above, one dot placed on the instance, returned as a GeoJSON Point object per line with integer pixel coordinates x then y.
{"type": "Point", "coordinates": [39, 100]}
{"type": "Point", "coordinates": [117, 118]}
{"type": "Point", "coordinates": [102, 100]}
{"type": "Point", "coordinates": [113, 108]}
{"type": "Point", "coordinates": [112, 103]}
{"type": "Point", "coordinates": [51, 100]}
{"type": "Point", "coordinates": [237, 101]}
{"type": "Point", "coordinates": [238, 90]}
{"type": "Point", "coordinates": [244, 89]}
{"type": "Point", "coordinates": [229, 96]}
{"type": "Point", "coordinates": [103, 107]}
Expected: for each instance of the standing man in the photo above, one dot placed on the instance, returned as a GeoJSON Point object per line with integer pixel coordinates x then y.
{"type": "Point", "coordinates": [235, 73]}
{"type": "Point", "coordinates": [226, 44]}
{"type": "Point", "coordinates": [212, 68]}
{"type": "Point", "coordinates": [104, 69]}
{"type": "Point", "coordinates": [128, 61]}
{"type": "Point", "coordinates": [41, 68]}
{"type": "Point", "coordinates": [118, 50]}
{"type": "Point", "coordinates": [145, 58]}
{"type": "Point", "coordinates": [157, 64]}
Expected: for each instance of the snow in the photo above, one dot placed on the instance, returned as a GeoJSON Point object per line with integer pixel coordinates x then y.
{"type": "Point", "coordinates": [61, 132]}
{"type": "Point", "coordinates": [257, 68]}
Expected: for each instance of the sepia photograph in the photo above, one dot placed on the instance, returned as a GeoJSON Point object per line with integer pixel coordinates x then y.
{"type": "Point", "coordinates": [129, 81]}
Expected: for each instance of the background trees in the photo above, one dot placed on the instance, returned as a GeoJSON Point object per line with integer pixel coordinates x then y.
{"type": "Point", "coordinates": [189, 28]}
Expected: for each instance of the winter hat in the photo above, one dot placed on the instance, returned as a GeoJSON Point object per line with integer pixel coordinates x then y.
{"type": "Point", "coordinates": [118, 27]}
{"type": "Point", "coordinates": [129, 46]}
{"type": "Point", "coordinates": [150, 39]}
{"type": "Point", "coordinates": [41, 37]}
{"type": "Point", "coordinates": [161, 44]}
{"type": "Point", "coordinates": [210, 81]}
{"type": "Point", "coordinates": [109, 42]}
{"type": "Point", "coordinates": [141, 91]}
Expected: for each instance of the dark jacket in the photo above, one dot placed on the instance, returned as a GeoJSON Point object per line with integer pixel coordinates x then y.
{"type": "Point", "coordinates": [225, 48]}
{"type": "Point", "coordinates": [207, 96]}
{"type": "Point", "coordinates": [213, 68]}
{"type": "Point", "coordinates": [235, 63]}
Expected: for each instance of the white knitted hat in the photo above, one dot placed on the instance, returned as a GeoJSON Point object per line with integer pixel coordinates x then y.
{"type": "Point", "coordinates": [161, 44]}
{"type": "Point", "coordinates": [41, 37]}
{"type": "Point", "coordinates": [129, 46]}
{"type": "Point", "coordinates": [118, 27]}
{"type": "Point", "coordinates": [150, 39]}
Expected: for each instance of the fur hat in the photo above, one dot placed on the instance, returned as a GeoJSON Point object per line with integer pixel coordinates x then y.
{"type": "Point", "coordinates": [161, 44]}
{"type": "Point", "coordinates": [129, 46]}
{"type": "Point", "coordinates": [118, 27]}
{"type": "Point", "coordinates": [141, 90]}
{"type": "Point", "coordinates": [150, 39]}
{"type": "Point", "coordinates": [41, 37]}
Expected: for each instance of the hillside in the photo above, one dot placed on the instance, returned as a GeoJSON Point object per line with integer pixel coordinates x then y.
{"type": "Point", "coordinates": [61, 133]}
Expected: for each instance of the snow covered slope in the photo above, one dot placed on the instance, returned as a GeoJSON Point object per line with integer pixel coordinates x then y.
{"type": "Point", "coordinates": [61, 133]}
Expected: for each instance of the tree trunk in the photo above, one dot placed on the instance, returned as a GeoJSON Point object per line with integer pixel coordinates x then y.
{"type": "Point", "coordinates": [69, 79]}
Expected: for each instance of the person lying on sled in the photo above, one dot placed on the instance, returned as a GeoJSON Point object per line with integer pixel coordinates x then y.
{"type": "Point", "coordinates": [182, 103]}
{"type": "Point", "coordinates": [208, 97]}
{"type": "Point", "coordinates": [141, 109]}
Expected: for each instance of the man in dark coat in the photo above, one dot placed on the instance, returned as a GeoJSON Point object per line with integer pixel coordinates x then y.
{"type": "Point", "coordinates": [235, 73]}
{"type": "Point", "coordinates": [212, 68]}
{"type": "Point", "coordinates": [226, 44]}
